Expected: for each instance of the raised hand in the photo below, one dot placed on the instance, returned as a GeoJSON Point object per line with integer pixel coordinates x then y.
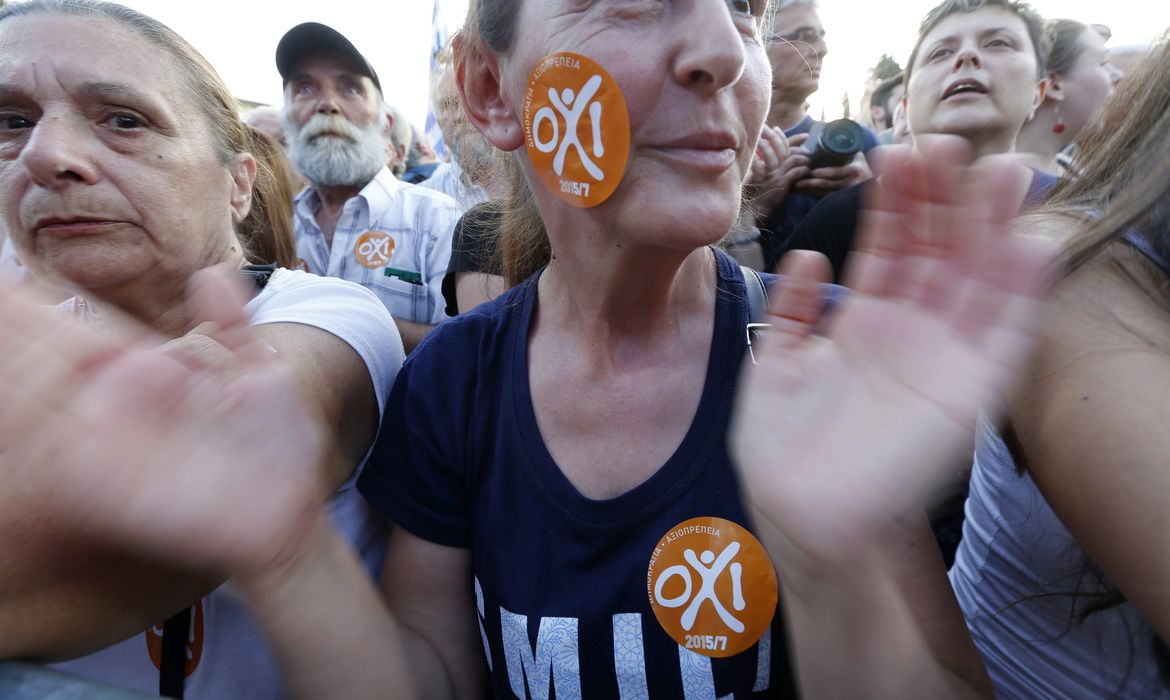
{"type": "Point", "coordinates": [150, 445]}
{"type": "Point", "coordinates": [777, 164]}
{"type": "Point", "coordinates": [842, 430]}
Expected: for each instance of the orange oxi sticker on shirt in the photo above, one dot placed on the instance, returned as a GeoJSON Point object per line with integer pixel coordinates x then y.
{"type": "Point", "coordinates": [577, 128]}
{"type": "Point", "coordinates": [373, 249]}
{"type": "Point", "coordinates": [194, 642]}
{"type": "Point", "coordinates": [712, 586]}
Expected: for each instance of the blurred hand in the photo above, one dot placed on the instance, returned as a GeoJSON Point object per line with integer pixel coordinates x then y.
{"type": "Point", "coordinates": [196, 457]}
{"type": "Point", "coordinates": [778, 163]}
{"type": "Point", "coordinates": [825, 181]}
{"type": "Point", "coordinates": [841, 432]}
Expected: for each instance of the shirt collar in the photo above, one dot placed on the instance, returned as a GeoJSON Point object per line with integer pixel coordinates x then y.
{"type": "Point", "coordinates": [377, 196]}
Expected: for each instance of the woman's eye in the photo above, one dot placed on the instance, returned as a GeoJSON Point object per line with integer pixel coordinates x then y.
{"type": "Point", "coordinates": [938, 53]}
{"type": "Point", "coordinates": [742, 6]}
{"type": "Point", "coordinates": [13, 123]}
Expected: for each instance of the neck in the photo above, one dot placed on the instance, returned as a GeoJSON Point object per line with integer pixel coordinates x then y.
{"type": "Point", "coordinates": [786, 111]}
{"type": "Point", "coordinates": [334, 197]}
{"type": "Point", "coordinates": [159, 305]}
{"type": "Point", "coordinates": [607, 289]}
{"type": "Point", "coordinates": [1039, 145]}
{"type": "Point", "coordinates": [985, 143]}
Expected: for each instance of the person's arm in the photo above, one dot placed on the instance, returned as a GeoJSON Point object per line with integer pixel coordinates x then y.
{"type": "Point", "coordinates": [939, 320]}
{"type": "Point", "coordinates": [343, 640]}
{"type": "Point", "coordinates": [412, 333]}
{"type": "Point", "coordinates": [475, 288]}
{"type": "Point", "coordinates": [892, 615]}
{"type": "Point", "coordinates": [1091, 424]}
{"type": "Point", "coordinates": [61, 596]}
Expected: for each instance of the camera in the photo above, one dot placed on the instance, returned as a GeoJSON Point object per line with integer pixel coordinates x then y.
{"type": "Point", "coordinates": [834, 144]}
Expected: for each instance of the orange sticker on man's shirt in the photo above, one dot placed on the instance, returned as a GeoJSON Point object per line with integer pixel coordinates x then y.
{"type": "Point", "coordinates": [374, 249]}
{"type": "Point", "coordinates": [712, 586]}
{"type": "Point", "coordinates": [577, 128]}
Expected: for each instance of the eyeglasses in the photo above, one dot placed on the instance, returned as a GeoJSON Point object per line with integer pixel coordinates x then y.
{"type": "Point", "coordinates": [755, 330]}
{"type": "Point", "coordinates": [804, 35]}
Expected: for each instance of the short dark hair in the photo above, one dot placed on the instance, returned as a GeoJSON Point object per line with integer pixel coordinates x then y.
{"type": "Point", "coordinates": [1032, 20]}
{"type": "Point", "coordinates": [881, 96]}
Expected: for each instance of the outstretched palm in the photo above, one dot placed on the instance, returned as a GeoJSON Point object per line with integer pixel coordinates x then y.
{"type": "Point", "coordinates": [136, 443]}
{"type": "Point", "coordinates": [841, 431]}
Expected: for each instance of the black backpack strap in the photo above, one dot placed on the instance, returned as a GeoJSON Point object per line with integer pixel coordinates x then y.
{"type": "Point", "coordinates": [259, 274]}
{"type": "Point", "coordinates": [757, 295]}
{"type": "Point", "coordinates": [173, 669]}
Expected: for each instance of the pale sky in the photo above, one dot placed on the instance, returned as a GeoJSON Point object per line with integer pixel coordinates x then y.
{"type": "Point", "coordinates": [239, 38]}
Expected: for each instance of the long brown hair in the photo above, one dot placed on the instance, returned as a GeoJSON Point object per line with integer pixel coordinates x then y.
{"type": "Point", "coordinates": [522, 245]}
{"type": "Point", "coordinates": [267, 232]}
{"type": "Point", "coordinates": [1123, 189]}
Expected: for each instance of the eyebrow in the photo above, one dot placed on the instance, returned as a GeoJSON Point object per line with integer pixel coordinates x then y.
{"type": "Point", "coordinates": [119, 90]}
{"type": "Point", "coordinates": [9, 92]}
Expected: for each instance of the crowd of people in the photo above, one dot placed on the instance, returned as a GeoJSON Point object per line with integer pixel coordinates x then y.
{"type": "Point", "coordinates": [654, 387]}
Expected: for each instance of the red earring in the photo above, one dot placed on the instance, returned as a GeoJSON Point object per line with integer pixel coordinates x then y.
{"type": "Point", "coordinates": [1058, 127]}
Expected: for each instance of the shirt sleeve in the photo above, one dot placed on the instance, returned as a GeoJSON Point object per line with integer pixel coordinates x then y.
{"type": "Point", "coordinates": [417, 474]}
{"type": "Point", "coordinates": [443, 215]}
{"type": "Point", "coordinates": [346, 310]}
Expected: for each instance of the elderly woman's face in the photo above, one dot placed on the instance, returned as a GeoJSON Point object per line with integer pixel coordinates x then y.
{"type": "Point", "coordinates": [107, 170]}
{"type": "Point", "coordinates": [695, 77]}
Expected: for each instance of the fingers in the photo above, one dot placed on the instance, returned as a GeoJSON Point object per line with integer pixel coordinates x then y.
{"type": "Point", "coordinates": [882, 229]}
{"type": "Point", "coordinates": [217, 298]}
{"type": "Point", "coordinates": [795, 306]}
{"type": "Point", "coordinates": [43, 356]}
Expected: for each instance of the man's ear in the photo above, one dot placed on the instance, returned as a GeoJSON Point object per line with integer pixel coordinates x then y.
{"type": "Point", "coordinates": [389, 126]}
{"type": "Point", "coordinates": [478, 79]}
{"type": "Point", "coordinates": [243, 177]}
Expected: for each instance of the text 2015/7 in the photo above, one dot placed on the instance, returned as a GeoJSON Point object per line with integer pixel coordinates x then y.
{"type": "Point", "coordinates": [577, 189]}
{"type": "Point", "coordinates": [709, 642]}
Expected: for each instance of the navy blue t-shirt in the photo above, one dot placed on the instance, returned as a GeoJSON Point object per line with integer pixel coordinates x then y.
{"type": "Point", "coordinates": [560, 580]}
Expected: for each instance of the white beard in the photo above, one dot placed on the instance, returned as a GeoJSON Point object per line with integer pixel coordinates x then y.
{"type": "Point", "coordinates": [350, 157]}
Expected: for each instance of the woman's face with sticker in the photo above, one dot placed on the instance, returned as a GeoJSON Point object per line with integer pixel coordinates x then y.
{"type": "Point", "coordinates": [695, 80]}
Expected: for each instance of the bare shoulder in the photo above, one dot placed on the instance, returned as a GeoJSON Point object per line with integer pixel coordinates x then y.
{"type": "Point", "coordinates": [1091, 422]}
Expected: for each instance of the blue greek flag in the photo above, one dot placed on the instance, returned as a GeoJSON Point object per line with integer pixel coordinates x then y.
{"type": "Point", "coordinates": [439, 38]}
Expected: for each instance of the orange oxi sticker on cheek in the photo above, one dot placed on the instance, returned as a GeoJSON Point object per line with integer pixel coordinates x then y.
{"type": "Point", "coordinates": [577, 128]}
{"type": "Point", "coordinates": [373, 249]}
{"type": "Point", "coordinates": [712, 586]}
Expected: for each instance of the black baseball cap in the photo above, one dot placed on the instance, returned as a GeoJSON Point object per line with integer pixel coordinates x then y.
{"type": "Point", "coordinates": [315, 38]}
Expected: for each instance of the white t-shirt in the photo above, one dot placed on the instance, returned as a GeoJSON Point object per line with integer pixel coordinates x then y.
{"type": "Point", "coordinates": [227, 655]}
